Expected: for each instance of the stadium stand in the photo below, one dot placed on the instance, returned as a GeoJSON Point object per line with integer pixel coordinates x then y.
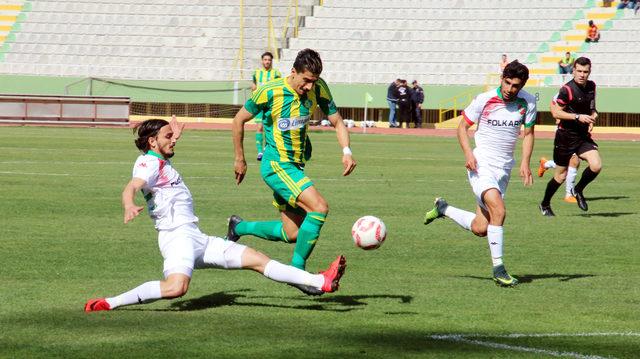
{"type": "Point", "coordinates": [447, 42]}
{"type": "Point", "coordinates": [152, 39]}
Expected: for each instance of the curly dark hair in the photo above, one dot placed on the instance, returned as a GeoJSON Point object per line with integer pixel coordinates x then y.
{"type": "Point", "coordinates": [145, 130]}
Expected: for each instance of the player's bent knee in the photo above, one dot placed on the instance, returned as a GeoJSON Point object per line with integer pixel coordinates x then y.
{"type": "Point", "coordinates": [175, 289]}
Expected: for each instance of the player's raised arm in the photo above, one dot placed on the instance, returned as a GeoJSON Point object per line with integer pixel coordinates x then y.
{"type": "Point", "coordinates": [527, 150]}
{"type": "Point", "coordinates": [240, 164]}
{"type": "Point", "coordinates": [463, 139]}
{"type": "Point", "coordinates": [343, 139]}
{"type": "Point", "coordinates": [131, 210]}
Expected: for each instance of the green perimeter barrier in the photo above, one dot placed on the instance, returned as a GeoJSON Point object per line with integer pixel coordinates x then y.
{"type": "Point", "coordinates": [615, 100]}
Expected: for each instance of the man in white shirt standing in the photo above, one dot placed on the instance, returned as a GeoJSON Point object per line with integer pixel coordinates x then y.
{"type": "Point", "coordinates": [183, 246]}
{"type": "Point", "coordinates": [498, 114]}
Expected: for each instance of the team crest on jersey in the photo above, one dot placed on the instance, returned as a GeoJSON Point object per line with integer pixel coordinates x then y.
{"type": "Point", "coordinates": [307, 103]}
{"type": "Point", "coordinates": [288, 124]}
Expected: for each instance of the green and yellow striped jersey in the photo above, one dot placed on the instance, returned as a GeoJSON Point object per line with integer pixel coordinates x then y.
{"type": "Point", "coordinates": [262, 76]}
{"type": "Point", "coordinates": [286, 117]}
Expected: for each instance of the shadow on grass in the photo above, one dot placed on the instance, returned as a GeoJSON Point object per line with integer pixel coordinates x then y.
{"type": "Point", "coordinates": [605, 198]}
{"type": "Point", "coordinates": [605, 214]}
{"type": "Point", "coordinates": [330, 303]}
{"type": "Point", "coordinates": [528, 278]}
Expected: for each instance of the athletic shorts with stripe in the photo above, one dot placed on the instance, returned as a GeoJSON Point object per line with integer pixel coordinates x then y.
{"type": "Point", "coordinates": [287, 180]}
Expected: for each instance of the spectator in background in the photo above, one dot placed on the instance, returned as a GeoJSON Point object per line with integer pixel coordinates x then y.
{"type": "Point", "coordinates": [417, 98]}
{"type": "Point", "coordinates": [503, 62]}
{"type": "Point", "coordinates": [565, 65]}
{"type": "Point", "coordinates": [624, 4]}
{"type": "Point", "coordinates": [606, 3]}
{"type": "Point", "coordinates": [403, 95]}
{"type": "Point", "coordinates": [392, 100]}
{"type": "Point", "coordinates": [593, 34]}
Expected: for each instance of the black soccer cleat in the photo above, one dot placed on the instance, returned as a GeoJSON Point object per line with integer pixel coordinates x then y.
{"type": "Point", "coordinates": [231, 231]}
{"type": "Point", "coordinates": [546, 210]}
{"type": "Point", "coordinates": [307, 289]}
{"type": "Point", "coordinates": [582, 203]}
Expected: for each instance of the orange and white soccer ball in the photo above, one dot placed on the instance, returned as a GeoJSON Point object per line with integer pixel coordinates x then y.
{"type": "Point", "coordinates": [369, 232]}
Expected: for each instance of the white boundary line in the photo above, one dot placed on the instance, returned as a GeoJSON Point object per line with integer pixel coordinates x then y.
{"type": "Point", "coordinates": [469, 339]}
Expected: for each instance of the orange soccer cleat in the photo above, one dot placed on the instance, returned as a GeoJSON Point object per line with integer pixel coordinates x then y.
{"type": "Point", "coordinates": [95, 305]}
{"type": "Point", "coordinates": [333, 274]}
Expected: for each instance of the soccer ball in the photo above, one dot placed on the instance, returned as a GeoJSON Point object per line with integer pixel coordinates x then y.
{"type": "Point", "coordinates": [369, 232]}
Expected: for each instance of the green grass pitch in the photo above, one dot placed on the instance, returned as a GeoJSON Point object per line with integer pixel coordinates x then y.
{"type": "Point", "coordinates": [425, 293]}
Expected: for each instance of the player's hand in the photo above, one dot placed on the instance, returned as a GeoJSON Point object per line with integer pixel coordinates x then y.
{"type": "Point", "coordinates": [525, 173]}
{"type": "Point", "coordinates": [176, 128]}
{"type": "Point", "coordinates": [586, 119]}
{"type": "Point", "coordinates": [470, 161]}
{"type": "Point", "coordinates": [349, 164]}
{"type": "Point", "coordinates": [240, 168]}
{"type": "Point", "coordinates": [131, 212]}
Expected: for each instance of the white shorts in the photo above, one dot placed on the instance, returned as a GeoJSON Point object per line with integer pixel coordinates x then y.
{"type": "Point", "coordinates": [186, 248]}
{"type": "Point", "coordinates": [486, 177]}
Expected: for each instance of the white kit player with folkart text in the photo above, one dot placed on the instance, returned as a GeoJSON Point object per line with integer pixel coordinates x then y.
{"type": "Point", "coordinates": [183, 246]}
{"type": "Point", "coordinates": [499, 115]}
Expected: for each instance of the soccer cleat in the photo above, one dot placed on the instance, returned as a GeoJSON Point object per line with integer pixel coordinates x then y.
{"type": "Point", "coordinates": [333, 274]}
{"type": "Point", "coordinates": [502, 278]}
{"type": "Point", "coordinates": [231, 231]}
{"type": "Point", "coordinates": [307, 289]}
{"type": "Point", "coordinates": [95, 305]}
{"type": "Point", "coordinates": [440, 205]}
{"type": "Point", "coordinates": [546, 210]}
{"type": "Point", "coordinates": [570, 199]}
{"type": "Point", "coordinates": [541, 169]}
{"type": "Point", "coordinates": [259, 156]}
{"type": "Point", "coordinates": [582, 202]}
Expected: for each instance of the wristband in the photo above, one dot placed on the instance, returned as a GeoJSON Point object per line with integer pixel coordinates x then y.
{"type": "Point", "coordinates": [346, 151]}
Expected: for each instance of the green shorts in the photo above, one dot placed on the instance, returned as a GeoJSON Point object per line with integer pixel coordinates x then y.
{"type": "Point", "coordinates": [287, 180]}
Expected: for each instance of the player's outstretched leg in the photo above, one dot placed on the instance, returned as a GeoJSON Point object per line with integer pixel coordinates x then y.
{"type": "Point", "coordinates": [443, 209]}
{"type": "Point", "coordinates": [327, 281]}
{"type": "Point", "coordinates": [174, 286]}
{"type": "Point", "coordinates": [269, 230]}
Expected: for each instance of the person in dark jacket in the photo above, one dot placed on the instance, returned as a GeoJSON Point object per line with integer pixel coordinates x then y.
{"type": "Point", "coordinates": [417, 98]}
{"type": "Point", "coordinates": [403, 95]}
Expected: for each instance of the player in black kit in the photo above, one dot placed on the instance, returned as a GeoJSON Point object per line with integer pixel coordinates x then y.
{"type": "Point", "coordinates": [575, 107]}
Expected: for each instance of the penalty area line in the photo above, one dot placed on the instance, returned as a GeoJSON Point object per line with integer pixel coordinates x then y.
{"type": "Point", "coordinates": [468, 339]}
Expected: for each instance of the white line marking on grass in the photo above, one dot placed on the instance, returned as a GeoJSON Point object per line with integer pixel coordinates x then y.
{"type": "Point", "coordinates": [34, 173]}
{"type": "Point", "coordinates": [468, 339]}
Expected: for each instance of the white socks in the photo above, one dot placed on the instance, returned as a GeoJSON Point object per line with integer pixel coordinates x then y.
{"type": "Point", "coordinates": [549, 164]}
{"type": "Point", "coordinates": [283, 273]}
{"type": "Point", "coordinates": [571, 179]}
{"type": "Point", "coordinates": [145, 293]}
{"type": "Point", "coordinates": [495, 238]}
{"type": "Point", "coordinates": [460, 216]}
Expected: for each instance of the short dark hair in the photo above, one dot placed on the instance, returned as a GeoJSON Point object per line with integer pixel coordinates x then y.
{"type": "Point", "coordinates": [308, 60]}
{"type": "Point", "coordinates": [267, 53]}
{"type": "Point", "coordinates": [583, 61]}
{"type": "Point", "coordinates": [146, 130]}
{"type": "Point", "coordinates": [590, 22]}
{"type": "Point", "coordinates": [516, 70]}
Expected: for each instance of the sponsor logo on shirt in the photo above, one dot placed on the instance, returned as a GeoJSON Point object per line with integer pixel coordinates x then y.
{"type": "Point", "coordinates": [288, 124]}
{"type": "Point", "coordinates": [176, 182]}
{"type": "Point", "coordinates": [503, 123]}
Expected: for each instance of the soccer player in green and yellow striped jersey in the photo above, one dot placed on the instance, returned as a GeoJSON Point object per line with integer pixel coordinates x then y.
{"type": "Point", "coordinates": [260, 77]}
{"type": "Point", "coordinates": [287, 105]}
